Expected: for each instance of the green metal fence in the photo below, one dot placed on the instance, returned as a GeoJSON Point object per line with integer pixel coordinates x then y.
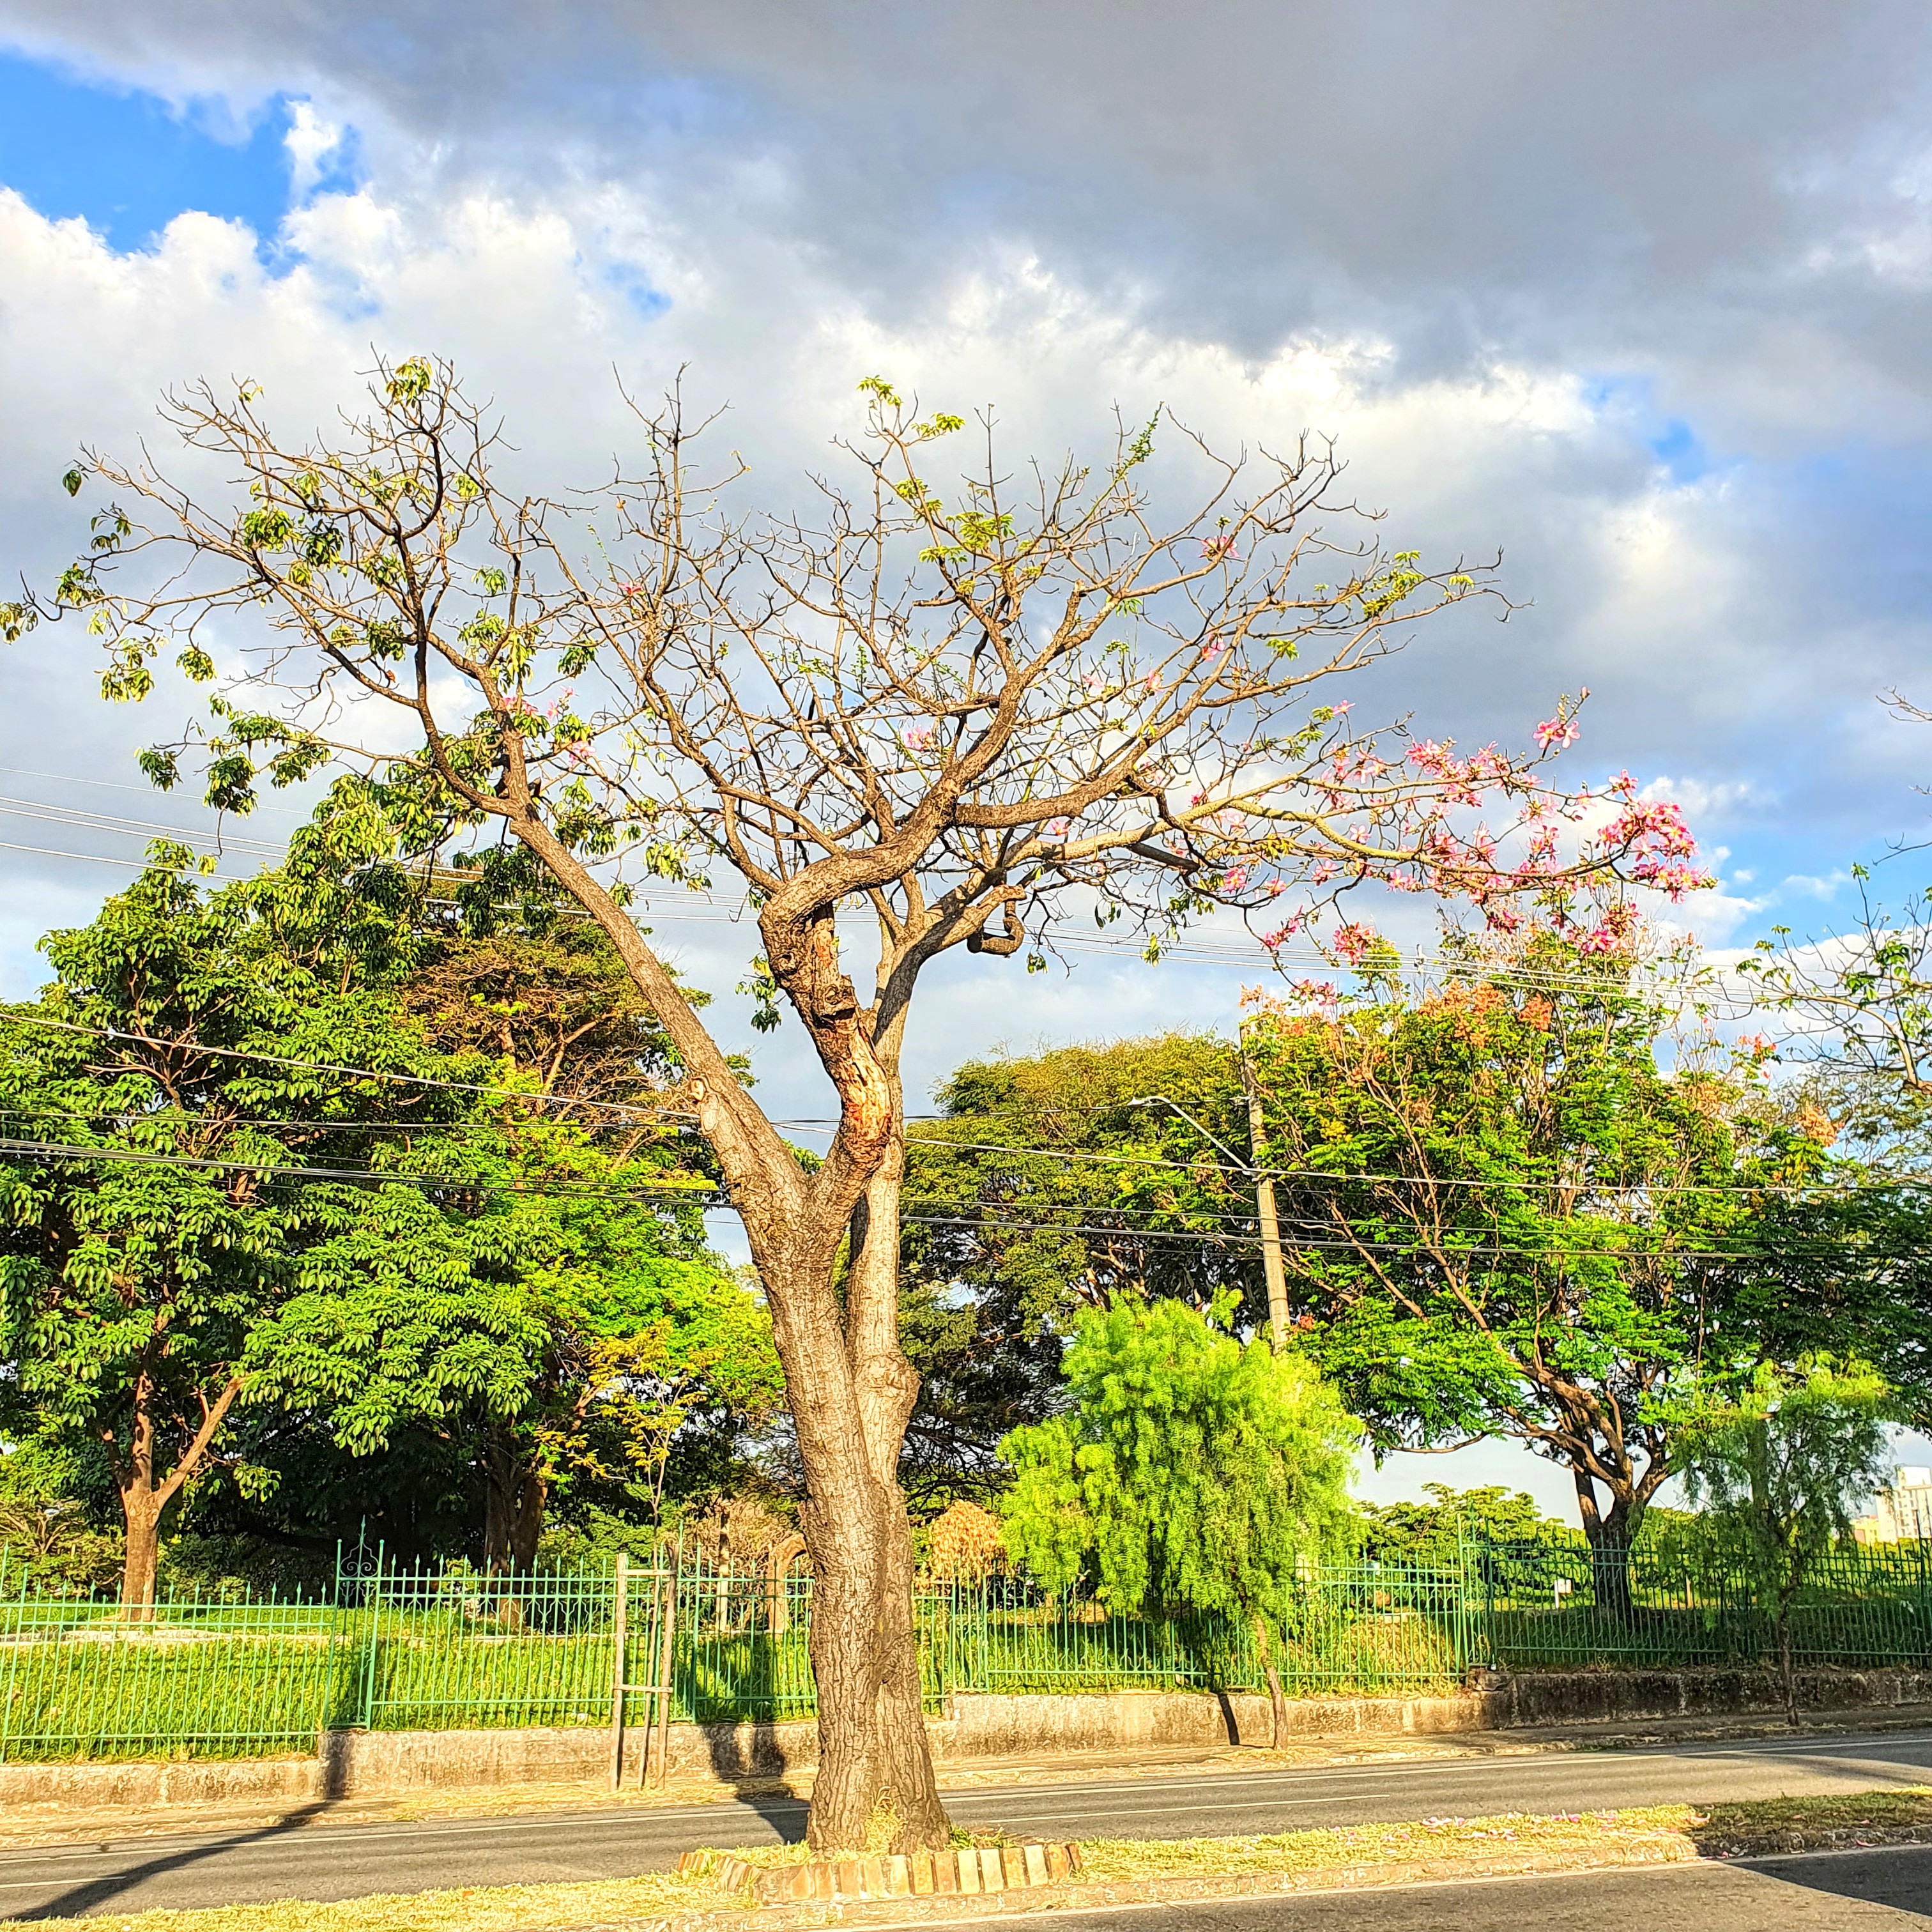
{"type": "Point", "coordinates": [391, 1648]}
{"type": "Point", "coordinates": [1543, 1607]}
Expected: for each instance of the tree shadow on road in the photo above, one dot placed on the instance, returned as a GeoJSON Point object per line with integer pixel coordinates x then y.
{"type": "Point", "coordinates": [93, 1895]}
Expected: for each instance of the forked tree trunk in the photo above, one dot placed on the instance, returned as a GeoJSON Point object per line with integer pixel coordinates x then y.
{"type": "Point", "coordinates": [1608, 1533]}
{"type": "Point", "coordinates": [145, 1492]}
{"type": "Point", "coordinates": [848, 1386]}
{"type": "Point", "coordinates": [515, 1497]}
{"type": "Point", "coordinates": [141, 1512]}
{"type": "Point", "coordinates": [853, 1391]}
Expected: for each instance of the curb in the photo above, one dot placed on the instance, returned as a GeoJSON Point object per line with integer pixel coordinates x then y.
{"type": "Point", "coordinates": [967, 1872]}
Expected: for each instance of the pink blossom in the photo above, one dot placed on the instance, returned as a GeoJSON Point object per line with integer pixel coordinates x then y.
{"type": "Point", "coordinates": [918, 737]}
{"type": "Point", "coordinates": [1152, 680]}
{"type": "Point", "coordinates": [1212, 649]}
{"type": "Point", "coordinates": [1352, 942]}
{"type": "Point", "coordinates": [1095, 682]}
{"type": "Point", "coordinates": [1557, 733]}
{"type": "Point", "coordinates": [1233, 879]}
{"type": "Point", "coordinates": [1216, 550]}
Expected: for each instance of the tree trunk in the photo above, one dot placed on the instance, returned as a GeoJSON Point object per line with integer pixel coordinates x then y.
{"type": "Point", "coordinates": [1608, 1532]}
{"type": "Point", "coordinates": [848, 1386]}
{"type": "Point", "coordinates": [141, 1511]}
{"type": "Point", "coordinates": [852, 1391]}
{"type": "Point", "coordinates": [1277, 1701]}
{"type": "Point", "coordinates": [499, 1500]}
{"type": "Point", "coordinates": [526, 1518]}
{"type": "Point", "coordinates": [1787, 1677]}
{"type": "Point", "coordinates": [515, 1497]}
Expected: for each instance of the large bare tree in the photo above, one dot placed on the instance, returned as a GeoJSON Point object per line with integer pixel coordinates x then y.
{"type": "Point", "coordinates": [937, 711]}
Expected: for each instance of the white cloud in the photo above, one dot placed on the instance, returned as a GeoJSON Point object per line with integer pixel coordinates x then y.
{"type": "Point", "coordinates": [1640, 589]}
{"type": "Point", "coordinates": [1825, 889]}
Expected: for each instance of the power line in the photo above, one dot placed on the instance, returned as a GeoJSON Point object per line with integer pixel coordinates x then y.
{"type": "Point", "coordinates": [1493, 1251]}
{"type": "Point", "coordinates": [323, 1066]}
{"type": "Point", "coordinates": [1496, 1251]}
{"type": "Point", "coordinates": [141, 1157]}
{"type": "Point", "coordinates": [662, 1115]}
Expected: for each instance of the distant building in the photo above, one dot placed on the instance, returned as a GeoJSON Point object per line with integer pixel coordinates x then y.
{"type": "Point", "coordinates": [1901, 1512]}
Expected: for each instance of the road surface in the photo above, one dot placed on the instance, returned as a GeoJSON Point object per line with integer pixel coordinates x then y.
{"type": "Point", "coordinates": [302, 1858]}
{"type": "Point", "coordinates": [1857, 1891]}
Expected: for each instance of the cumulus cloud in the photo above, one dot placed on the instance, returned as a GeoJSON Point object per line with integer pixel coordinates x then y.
{"type": "Point", "coordinates": [1548, 264]}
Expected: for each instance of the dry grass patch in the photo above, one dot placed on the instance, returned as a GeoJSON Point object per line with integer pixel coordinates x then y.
{"type": "Point", "coordinates": [1655, 1831]}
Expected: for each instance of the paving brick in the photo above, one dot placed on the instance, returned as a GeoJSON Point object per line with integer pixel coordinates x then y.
{"type": "Point", "coordinates": [1013, 1859]}
{"type": "Point", "coordinates": [992, 1878]}
{"type": "Point", "coordinates": [1058, 1864]}
{"type": "Point", "coordinates": [967, 1860]}
{"type": "Point", "coordinates": [945, 1871]}
{"type": "Point", "coordinates": [918, 1872]}
{"type": "Point", "coordinates": [848, 1881]}
{"type": "Point", "coordinates": [1035, 1864]}
{"type": "Point", "coordinates": [875, 1875]}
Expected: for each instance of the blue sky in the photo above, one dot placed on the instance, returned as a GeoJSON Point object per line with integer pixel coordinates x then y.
{"type": "Point", "coordinates": [126, 163]}
{"type": "Point", "coordinates": [1640, 306]}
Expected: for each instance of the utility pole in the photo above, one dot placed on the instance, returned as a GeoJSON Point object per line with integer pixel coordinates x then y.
{"type": "Point", "coordinates": [1272, 1271]}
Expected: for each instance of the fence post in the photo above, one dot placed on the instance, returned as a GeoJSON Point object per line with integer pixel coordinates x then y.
{"type": "Point", "coordinates": [619, 1605]}
{"type": "Point", "coordinates": [369, 1659]}
{"type": "Point", "coordinates": [667, 1662]}
{"type": "Point", "coordinates": [14, 1649]}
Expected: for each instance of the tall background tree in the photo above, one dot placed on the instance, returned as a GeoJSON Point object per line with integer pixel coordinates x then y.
{"type": "Point", "coordinates": [958, 709]}
{"type": "Point", "coordinates": [184, 1060]}
{"type": "Point", "coordinates": [1504, 1216]}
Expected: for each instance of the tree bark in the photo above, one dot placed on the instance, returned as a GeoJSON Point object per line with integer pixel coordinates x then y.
{"type": "Point", "coordinates": [847, 1383]}
{"type": "Point", "coordinates": [1277, 1699]}
{"type": "Point", "coordinates": [888, 1388]}
{"type": "Point", "coordinates": [1608, 1534]}
{"type": "Point", "coordinates": [141, 1514]}
{"type": "Point", "coordinates": [515, 1497]}
{"type": "Point", "coordinates": [145, 1495]}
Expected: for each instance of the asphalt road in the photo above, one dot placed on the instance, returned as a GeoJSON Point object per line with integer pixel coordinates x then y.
{"type": "Point", "coordinates": [1859, 1892]}
{"type": "Point", "coordinates": [303, 1859]}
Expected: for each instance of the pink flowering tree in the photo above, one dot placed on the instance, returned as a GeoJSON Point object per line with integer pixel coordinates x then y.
{"type": "Point", "coordinates": [957, 705]}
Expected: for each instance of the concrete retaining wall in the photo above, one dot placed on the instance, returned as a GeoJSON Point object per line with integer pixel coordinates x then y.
{"type": "Point", "coordinates": [371, 1763]}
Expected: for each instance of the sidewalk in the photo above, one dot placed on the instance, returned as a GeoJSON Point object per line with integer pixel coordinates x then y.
{"type": "Point", "coordinates": [27, 1824]}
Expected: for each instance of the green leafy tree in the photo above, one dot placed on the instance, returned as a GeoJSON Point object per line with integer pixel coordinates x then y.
{"type": "Point", "coordinates": [1063, 1180]}
{"type": "Point", "coordinates": [47, 1535]}
{"type": "Point", "coordinates": [1505, 1218]}
{"type": "Point", "coordinates": [553, 1300]}
{"type": "Point", "coordinates": [1047, 1187]}
{"type": "Point", "coordinates": [159, 1094]}
{"type": "Point", "coordinates": [1189, 1472]}
{"type": "Point", "coordinates": [1786, 1463]}
{"type": "Point", "coordinates": [1439, 1530]}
